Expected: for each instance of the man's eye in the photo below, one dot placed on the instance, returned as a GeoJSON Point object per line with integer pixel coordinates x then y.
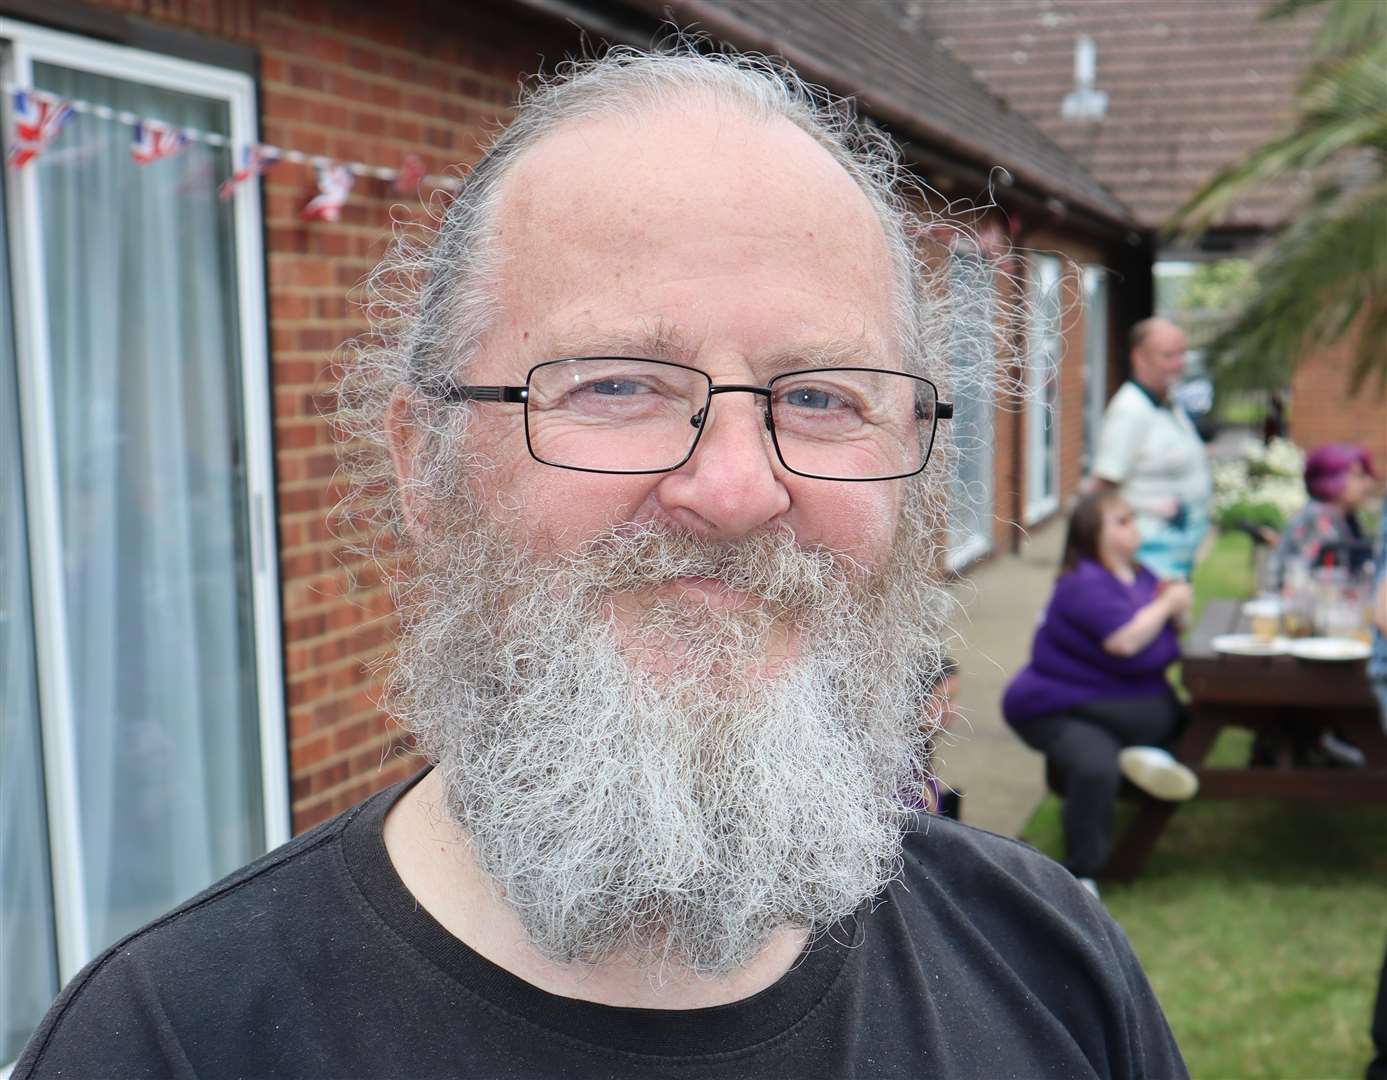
{"type": "Point", "coordinates": [616, 387]}
{"type": "Point", "coordinates": [806, 397]}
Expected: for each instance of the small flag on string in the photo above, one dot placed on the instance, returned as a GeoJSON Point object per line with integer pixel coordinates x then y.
{"type": "Point", "coordinates": [255, 161]}
{"type": "Point", "coordinates": [153, 141]}
{"type": "Point", "coordinates": [334, 184]}
{"type": "Point", "coordinates": [37, 122]}
{"type": "Point", "coordinates": [410, 173]}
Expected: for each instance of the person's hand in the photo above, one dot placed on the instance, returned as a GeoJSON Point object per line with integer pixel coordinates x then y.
{"type": "Point", "coordinates": [1178, 596]}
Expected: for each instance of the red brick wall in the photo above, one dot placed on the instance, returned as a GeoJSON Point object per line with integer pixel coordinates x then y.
{"type": "Point", "coordinates": [1321, 409]}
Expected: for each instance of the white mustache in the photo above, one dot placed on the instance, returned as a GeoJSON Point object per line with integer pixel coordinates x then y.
{"type": "Point", "coordinates": [771, 566]}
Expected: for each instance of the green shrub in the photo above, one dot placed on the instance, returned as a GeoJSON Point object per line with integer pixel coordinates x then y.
{"type": "Point", "coordinates": [1249, 512]}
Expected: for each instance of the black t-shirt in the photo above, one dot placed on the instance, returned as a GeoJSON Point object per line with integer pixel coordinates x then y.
{"type": "Point", "coordinates": [984, 959]}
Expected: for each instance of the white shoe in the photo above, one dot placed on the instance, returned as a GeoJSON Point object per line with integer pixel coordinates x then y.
{"type": "Point", "coordinates": [1341, 751]}
{"type": "Point", "coordinates": [1157, 773]}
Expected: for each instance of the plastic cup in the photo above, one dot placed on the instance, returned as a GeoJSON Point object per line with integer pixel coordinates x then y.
{"type": "Point", "coordinates": [1264, 618]}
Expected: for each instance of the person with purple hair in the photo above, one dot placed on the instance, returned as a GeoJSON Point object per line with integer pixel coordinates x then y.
{"type": "Point", "coordinates": [1377, 679]}
{"type": "Point", "coordinates": [1325, 532]}
{"type": "Point", "coordinates": [1338, 478]}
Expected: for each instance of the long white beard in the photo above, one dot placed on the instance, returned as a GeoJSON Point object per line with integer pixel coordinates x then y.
{"type": "Point", "coordinates": [683, 816]}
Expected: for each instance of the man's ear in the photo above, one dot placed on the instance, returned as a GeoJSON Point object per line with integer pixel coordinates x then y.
{"type": "Point", "coordinates": [405, 439]}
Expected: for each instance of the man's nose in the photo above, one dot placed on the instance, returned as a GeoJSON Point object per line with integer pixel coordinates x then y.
{"type": "Point", "coordinates": [733, 484]}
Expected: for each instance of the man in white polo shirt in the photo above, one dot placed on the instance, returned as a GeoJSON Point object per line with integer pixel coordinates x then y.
{"type": "Point", "coordinates": [1149, 449]}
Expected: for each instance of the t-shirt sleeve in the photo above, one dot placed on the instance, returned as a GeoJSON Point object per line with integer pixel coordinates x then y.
{"type": "Point", "coordinates": [1119, 442]}
{"type": "Point", "coordinates": [1090, 604]}
{"type": "Point", "coordinates": [1150, 1049]}
{"type": "Point", "coordinates": [107, 1022]}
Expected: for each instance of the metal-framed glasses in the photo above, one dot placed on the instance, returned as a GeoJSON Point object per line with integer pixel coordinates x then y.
{"type": "Point", "coordinates": [616, 414]}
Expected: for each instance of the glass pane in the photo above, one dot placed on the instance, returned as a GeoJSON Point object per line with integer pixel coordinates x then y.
{"type": "Point", "coordinates": [1095, 357]}
{"type": "Point", "coordinates": [1043, 381]}
{"type": "Point", "coordinates": [970, 511]}
{"type": "Point", "coordinates": [852, 423]}
{"type": "Point", "coordinates": [612, 413]}
{"type": "Point", "coordinates": [142, 319]}
{"type": "Point", "coordinates": [28, 955]}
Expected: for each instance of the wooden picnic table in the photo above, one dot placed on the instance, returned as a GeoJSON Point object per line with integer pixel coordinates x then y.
{"type": "Point", "coordinates": [1284, 700]}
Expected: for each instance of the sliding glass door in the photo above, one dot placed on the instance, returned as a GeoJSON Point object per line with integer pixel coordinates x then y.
{"type": "Point", "coordinates": [152, 725]}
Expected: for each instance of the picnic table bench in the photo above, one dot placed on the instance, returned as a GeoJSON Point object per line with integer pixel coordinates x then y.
{"type": "Point", "coordinates": [1287, 702]}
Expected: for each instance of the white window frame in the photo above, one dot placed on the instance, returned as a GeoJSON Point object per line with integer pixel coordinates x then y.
{"type": "Point", "coordinates": [1044, 346]}
{"type": "Point", "coordinates": [1095, 357]}
{"type": "Point", "coordinates": [24, 45]}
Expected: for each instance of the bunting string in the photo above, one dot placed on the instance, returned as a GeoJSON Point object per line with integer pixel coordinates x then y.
{"type": "Point", "coordinates": [38, 119]}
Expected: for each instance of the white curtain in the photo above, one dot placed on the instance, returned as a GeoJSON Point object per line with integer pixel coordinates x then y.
{"type": "Point", "coordinates": [141, 291]}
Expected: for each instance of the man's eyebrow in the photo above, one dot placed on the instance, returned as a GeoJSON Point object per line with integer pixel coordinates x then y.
{"type": "Point", "coordinates": [659, 341]}
{"type": "Point", "coordinates": [820, 354]}
{"type": "Point", "coordinates": [663, 341]}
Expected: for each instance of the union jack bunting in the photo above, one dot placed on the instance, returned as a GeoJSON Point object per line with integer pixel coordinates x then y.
{"type": "Point", "coordinates": [334, 184]}
{"type": "Point", "coordinates": [153, 141]}
{"type": "Point", "coordinates": [255, 160]}
{"type": "Point", "coordinates": [408, 176]}
{"type": "Point", "coordinates": [37, 121]}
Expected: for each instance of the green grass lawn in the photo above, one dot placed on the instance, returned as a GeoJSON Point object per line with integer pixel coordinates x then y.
{"type": "Point", "coordinates": [1261, 925]}
{"type": "Point", "coordinates": [1226, 570]}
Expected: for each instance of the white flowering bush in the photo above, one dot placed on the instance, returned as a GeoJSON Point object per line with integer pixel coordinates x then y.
{"type": "Point", "coordinates": [1263, 486]}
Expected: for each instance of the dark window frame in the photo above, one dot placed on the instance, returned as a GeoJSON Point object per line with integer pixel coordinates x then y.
{"type": "Point", "coordinates": [74, 17]}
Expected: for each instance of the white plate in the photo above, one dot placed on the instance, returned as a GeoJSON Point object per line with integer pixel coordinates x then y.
{"type": "Point", "coordinates": [1248, 645]}
{"type": "Point", "coordinates": [1330, 648]}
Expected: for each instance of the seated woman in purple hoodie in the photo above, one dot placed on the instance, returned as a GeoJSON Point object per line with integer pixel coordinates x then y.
{"type": "Point", "coordinates": [1094, 698]}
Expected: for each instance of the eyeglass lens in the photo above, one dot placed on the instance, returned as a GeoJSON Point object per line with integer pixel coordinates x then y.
{"type": "Point", "coordinates": [624, 415]}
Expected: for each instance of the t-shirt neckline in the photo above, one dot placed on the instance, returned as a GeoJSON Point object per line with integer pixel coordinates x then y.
{"type": "Point", "coordinates": [1157, 402]}
{"type": "Point", "coordinates": [684, 1033]}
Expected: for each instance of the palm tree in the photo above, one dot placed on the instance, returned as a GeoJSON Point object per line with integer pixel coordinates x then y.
{"type": "Point", "coordinates": [1326, 272]}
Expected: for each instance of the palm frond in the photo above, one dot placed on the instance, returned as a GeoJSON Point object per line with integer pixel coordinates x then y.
{"type": "Point", "coordinates": [1326, 274]}
{"type": "Point", "coordinates": [1345, 109]}
{"type": "Point", "coordinates": [1347, 23]}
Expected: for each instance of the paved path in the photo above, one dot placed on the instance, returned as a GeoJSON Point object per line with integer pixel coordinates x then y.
{"type": "Point", "coordinates": [1001, 778]}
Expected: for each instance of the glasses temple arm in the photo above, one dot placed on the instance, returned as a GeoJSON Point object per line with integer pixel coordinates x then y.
{"type": "Point", "coordinates": [456, 393]}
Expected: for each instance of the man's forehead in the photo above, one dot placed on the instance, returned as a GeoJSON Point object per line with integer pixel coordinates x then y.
{"type": "Point", "coordinates": [614, 231]}
{"type": "Point", "coordinates": [1165, 335]}
{"type": "Point", "coordinates": [655, 151]}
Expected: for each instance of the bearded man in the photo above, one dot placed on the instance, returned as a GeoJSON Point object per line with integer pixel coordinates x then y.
{"type": "Point", "coordinates": [657, 411]}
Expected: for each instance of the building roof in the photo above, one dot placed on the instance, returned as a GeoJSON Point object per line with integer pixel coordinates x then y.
{"type": "Point", "coordinates": [902, 78]}
{"type": "Point", "coordinates": [1191, 86]}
